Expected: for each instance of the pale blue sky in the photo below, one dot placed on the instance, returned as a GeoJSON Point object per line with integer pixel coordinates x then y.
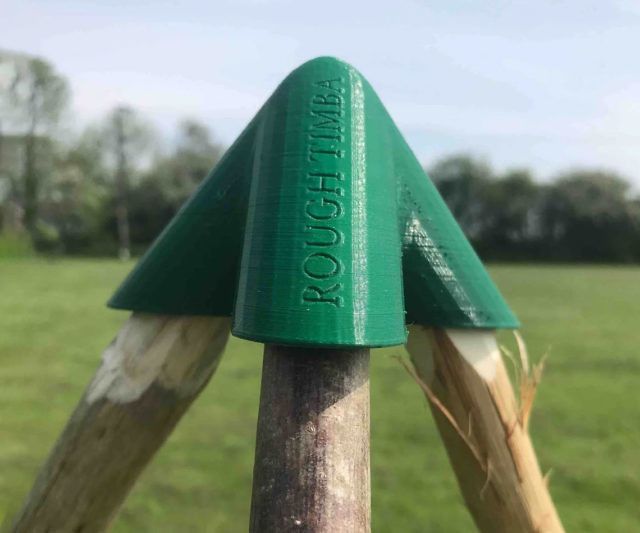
{"type": "Point", "coordinates": [543, 84]}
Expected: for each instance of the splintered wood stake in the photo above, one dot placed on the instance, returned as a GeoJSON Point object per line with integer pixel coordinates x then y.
{"type": "Point", "coordinates": [311, 469]}
{"type": "Point", "coordinates": [483, 429]}
{"type": "Point", "coordinates": [150, 374]}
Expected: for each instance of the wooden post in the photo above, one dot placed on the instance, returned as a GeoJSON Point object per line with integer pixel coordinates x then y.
{"type": "Point", "coordinates": [311, 469]}
{"type": "Point", "coordinates": [484, 429]}
{"type": "Point", "coordinates": [149, 376]}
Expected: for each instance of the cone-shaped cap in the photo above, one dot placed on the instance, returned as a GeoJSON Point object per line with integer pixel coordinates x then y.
{"type": "Point", "coordinates": [307, 227]}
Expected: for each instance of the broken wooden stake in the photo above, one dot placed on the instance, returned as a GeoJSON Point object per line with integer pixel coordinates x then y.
{"type": "Point", "coordinates": [483, 429]}
{"type": "Point", "coordinates": [150, 374]}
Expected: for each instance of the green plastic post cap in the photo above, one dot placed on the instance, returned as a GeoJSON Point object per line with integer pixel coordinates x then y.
{"type": "Point", "coordinates": [318, 227]}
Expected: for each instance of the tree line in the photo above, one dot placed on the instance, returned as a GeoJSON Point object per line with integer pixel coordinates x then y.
{"type": "Point", "coordinates": [110, 188]}
{"type": "Point", "coordinates": [581, 215]}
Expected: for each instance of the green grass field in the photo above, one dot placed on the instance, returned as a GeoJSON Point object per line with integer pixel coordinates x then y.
{"type": "Point", "coordinates": [586, 424]}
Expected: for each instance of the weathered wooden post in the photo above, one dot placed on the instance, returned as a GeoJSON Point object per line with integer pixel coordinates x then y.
{"type": "Point", "coordinates": [320, 234]}
{"type": "Point", "coordinates": [149, 376]}
{"type": "Point", "coordinates": [312, 455]}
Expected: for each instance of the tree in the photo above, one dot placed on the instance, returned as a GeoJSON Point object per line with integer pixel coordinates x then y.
{"type": "Point", "coordinates": [587, 215]}
{"type": "Point", "coordinates": [195, 155]}
{"type": "Point", "coordinates": [463, 182]}
{"type": "Point", "coordinates": [34, 98]}
{"type": "Point", "coordinates": [74, 199]}
{"type": "Point", "coordinates": [510, 224]}
{"type": "Point", "coordinates": [167, 184]}
{"type": "Point", "coordinates": [128, 140]}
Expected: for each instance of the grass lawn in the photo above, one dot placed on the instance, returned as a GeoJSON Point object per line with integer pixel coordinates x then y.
{"type": "Point", "coordinates": [586, 424]}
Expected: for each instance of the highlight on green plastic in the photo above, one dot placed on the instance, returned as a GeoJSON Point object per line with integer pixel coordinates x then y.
{"type": "Point", "coordinates": [318, 227]}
